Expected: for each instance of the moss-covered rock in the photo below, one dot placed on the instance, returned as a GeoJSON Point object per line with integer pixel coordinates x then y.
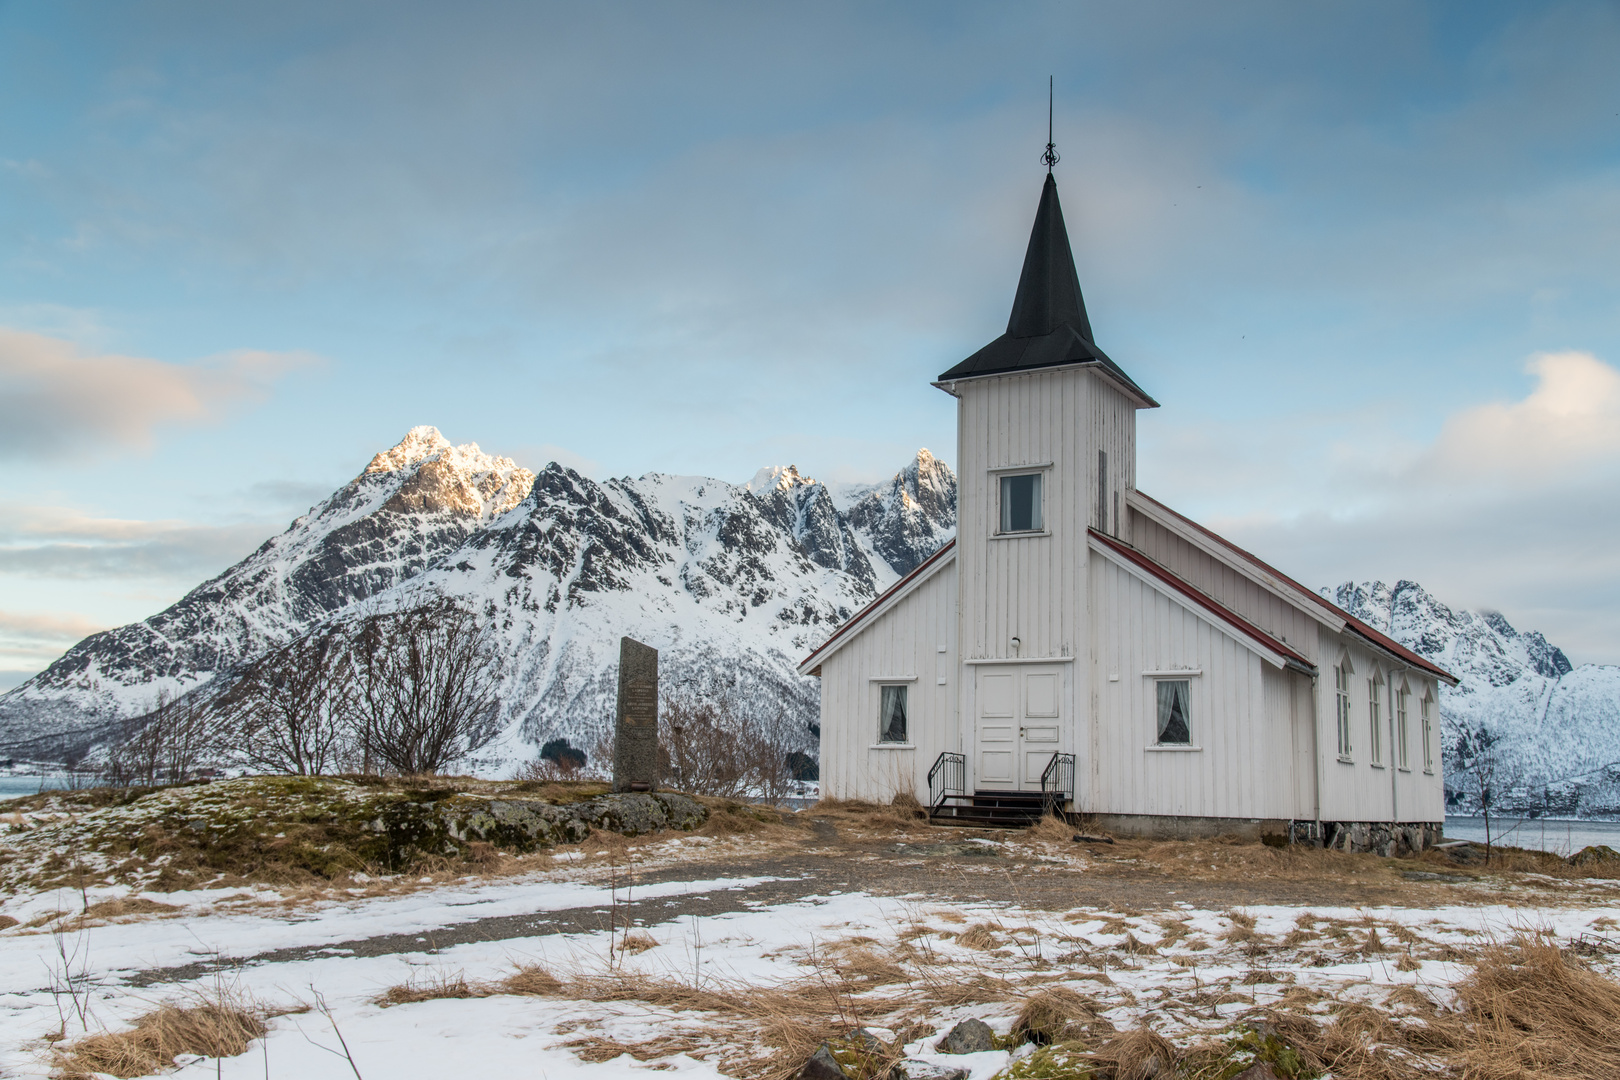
{"type": "Point", "coordinates": [288, 829]}
{"type": "Point", "coordinates": [1059, 1061]}
{"type": "Point", "coordinates": [1248, 1047]}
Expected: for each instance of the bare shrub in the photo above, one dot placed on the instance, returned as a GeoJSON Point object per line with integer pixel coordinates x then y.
{"type": "Point", "coordinates": [711, 745]}
{"type": "Point", "coordinates": [559, 761]}
{"type": "Point", "coordinates": [1482, 766]}
{"type": "Point", "coordinates": [218, 1025]}
{"type": "Point", "coordinates": [167, 743]}
{"type": "Point", "coordinates": [294, 708]}
{"type": "Point", "coordinates": [428, 679]}
{"type": "Point", "coordinates": [545, 771]}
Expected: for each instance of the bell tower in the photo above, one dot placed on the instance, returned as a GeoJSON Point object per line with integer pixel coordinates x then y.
{"type": "Point", "coordinates": [1046, 452]}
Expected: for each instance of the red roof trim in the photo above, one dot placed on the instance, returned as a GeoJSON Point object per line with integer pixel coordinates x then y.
{"type": "Point", "coordinates": [875, 604]}
{"type": "Point", "coordinates": [1356, 625]}
{"type": "Point", "coordinates": [1203, 600]}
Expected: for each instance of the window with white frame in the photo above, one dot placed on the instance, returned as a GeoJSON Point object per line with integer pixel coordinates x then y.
{"type": "Point", "coordinates": [1426, 709]}
{"type": "Point", "coordinates": [892, 726]}
{"type": "Point", "coordinates": [1021, 503]}
{"type": "Point", "coordinates": [1175, 712]}
{"type": "Point", "coordinates": [1341, 695]}
{"type": "Point", "coordinates": [1375, 720]}
{"type": "Point", "coordinates": [1401, 759]}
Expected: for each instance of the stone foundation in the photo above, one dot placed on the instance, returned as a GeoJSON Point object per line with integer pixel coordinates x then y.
{"type": "Point", "coordinates": [1379, 837]}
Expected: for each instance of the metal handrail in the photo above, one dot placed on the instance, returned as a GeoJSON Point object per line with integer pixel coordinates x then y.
{"type": "Point", "coordinates": [947, 777]}
{"type": "Point", "coordinates": [1057, 782]}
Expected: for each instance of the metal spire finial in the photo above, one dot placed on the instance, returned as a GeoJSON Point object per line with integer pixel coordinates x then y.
{"type": "Point", "coordinates": [1051, 157]}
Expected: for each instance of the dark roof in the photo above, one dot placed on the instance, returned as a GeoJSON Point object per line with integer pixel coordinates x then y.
{"type": "Point", "coordinates": [949, 545]}
{"type": "Point", "coordinates": [1203, 600]}
{"type": "Point", "coordinates": [1048, 326]}
{"type": "Point", "coordinates": [1353, 624]}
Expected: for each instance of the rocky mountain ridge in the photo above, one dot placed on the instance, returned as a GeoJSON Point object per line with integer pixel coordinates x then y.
{"type": "Point", "coordinates": [732, 583]}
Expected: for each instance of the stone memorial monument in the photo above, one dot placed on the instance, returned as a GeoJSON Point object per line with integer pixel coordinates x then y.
{"type": "Point", "coordinates": [635, 732]}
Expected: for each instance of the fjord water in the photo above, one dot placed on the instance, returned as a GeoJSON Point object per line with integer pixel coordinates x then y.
{"type": "Point", "coordinates": [13, 787]}
{"type": "Point", "coordinates": [1538, 834]}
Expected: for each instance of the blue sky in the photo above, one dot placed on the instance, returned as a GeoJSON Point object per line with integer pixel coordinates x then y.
{"type": "Point", "coordinates": [1364, 254]}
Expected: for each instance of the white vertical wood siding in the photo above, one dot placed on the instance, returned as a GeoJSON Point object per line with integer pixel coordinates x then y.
{"type": "Point", "coordinates": [1233, 590]}
{"type": "Point", "coordinates": [1358, 790]}
{"type": "Point", "coordinates": [1034, 588]}
{"type": "Point", "coordinates": [904, 640]}
{"type": "Point", "coordinates": [1243, 715]}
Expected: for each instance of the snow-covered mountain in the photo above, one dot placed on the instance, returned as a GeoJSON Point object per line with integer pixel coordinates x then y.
{"type": "Point", "coordinates": [734, 584]}
{"type": "Point", "coordinates": [1558, 725]}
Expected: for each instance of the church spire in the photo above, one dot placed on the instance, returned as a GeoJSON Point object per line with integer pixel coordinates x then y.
{"type": "Point", "coordinates": [1049, 289]}
{"type": "Point", "coordinates": [1048, 326]}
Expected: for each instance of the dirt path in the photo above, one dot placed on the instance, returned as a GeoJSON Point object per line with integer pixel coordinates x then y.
{"type": "Point", "coordinates": [943, 865]}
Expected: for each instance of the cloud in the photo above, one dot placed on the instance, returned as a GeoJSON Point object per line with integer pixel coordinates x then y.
{"type": "Point", "coordinates": [53, 541]}
{"type": "Point", "coordinates": [1569, 423]}
{"type": "Point", "coordinates": [56, 628]}
{"type": "Point", "coordinates": [57, 401]}
{"type": "Point", "coordinates": [1512, 505]}
{"type": "Point", "coordinates": [30, 640]}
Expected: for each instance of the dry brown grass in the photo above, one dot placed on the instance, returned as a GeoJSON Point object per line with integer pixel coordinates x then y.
{"type": "Point", "coordinates": [1242, 928]}
{"type": "Point", "coordinates": [1138, 1054]}
{"type": "Point", "coordinates": [1536, 1011]}
{"type": "Point", "coordinates": [113, 909]}
{"type": "Point", "coordinates": [596, 1049]}
{"type": "Point", "coordinates": [221, 1025]}
{"type": "Point", "coordinates": [1528, 1012]}
{"type": "Point", "coordinates": [428, 986]}
{"type": "Point", "coordinates": [1060, 1015]}
{"type": "Point", "coordinates": [982, 936]}
{"type": "Point", "coordinates": [856, 818]}
{"type": "Point", "coordinates": [1050, 829]}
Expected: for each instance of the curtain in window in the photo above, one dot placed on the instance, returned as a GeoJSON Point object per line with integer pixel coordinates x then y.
{"type": "Point", "coordinates": [1174, 698]}
{"type": "Point", "coordinates": [893, 718]}
{"type": "Point", "coordinates": [1021, 503]}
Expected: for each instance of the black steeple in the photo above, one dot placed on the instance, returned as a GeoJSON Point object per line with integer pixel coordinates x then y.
{"type": "Point", "coordinates": [1048, 326]}
{"type": "Point", "coordinates": [1048, 290]}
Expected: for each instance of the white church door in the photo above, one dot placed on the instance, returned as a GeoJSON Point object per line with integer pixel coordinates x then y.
{"type": "Point", "coordinates": [1018, 726]}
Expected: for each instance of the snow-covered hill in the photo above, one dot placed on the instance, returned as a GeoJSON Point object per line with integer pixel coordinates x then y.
{"type": "Point", "coordinates": [1558, 725]}
{"type": "Point", "coordinates": [734, 584]}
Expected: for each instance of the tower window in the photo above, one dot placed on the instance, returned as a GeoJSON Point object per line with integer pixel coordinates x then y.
{"type": "Point", "coordinates": [1021, 503]}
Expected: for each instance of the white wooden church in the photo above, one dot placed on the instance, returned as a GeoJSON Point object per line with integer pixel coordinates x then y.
{"type": "Point", "coordinates": [1082, 646]}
